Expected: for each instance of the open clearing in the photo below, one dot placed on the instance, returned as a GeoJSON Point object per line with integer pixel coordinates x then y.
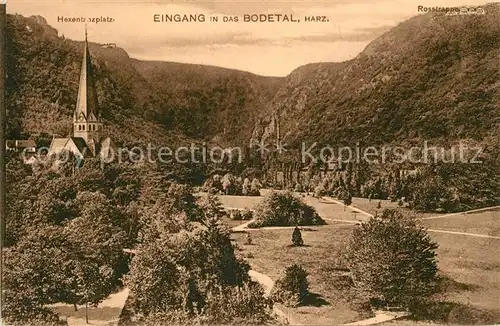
{"type": "Point", "coordinates": [270, 253]}
{"type": "Point", "coordinates": [487, 222]}
{"type": "Point", "coordinates": [471, 264]}
{"type": "Point", "coordinates": [329, 211]}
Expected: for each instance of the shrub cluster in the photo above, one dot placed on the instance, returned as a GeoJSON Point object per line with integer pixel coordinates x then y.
{"type": "Point", "coordinates": [284, 209]}
{"type": "Point", "coordinates": [392, 261]}
{"type": "Point", "coordinates": [231, 185]}
{"type": "Point", "coordinates": [240, 215]}
{"type": "Point", "coordinates": [293, 288]}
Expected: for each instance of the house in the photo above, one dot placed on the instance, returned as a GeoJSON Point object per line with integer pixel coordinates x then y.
{"type": "Point", "coordinates": [28, 146]}
{"type": "Point", "coordinates": [86, 140]}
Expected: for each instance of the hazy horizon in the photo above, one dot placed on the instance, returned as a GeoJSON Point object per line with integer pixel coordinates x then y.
{"type": "Point", "coordinates": [267, 49]}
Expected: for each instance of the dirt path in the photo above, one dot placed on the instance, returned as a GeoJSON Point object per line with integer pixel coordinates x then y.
{"type": "Point", "coordinates": [321, 206]}
{"type": "Point", "coordinates": [380, 317]}
{"type": "Point", "coordinates": [462, 213]}
{"type": "Point", "coordinates": [267, 283]}
{"type": "Point", "coordinates": [477, 235]}
{"type": "Point", "coordinates": [106, 313]}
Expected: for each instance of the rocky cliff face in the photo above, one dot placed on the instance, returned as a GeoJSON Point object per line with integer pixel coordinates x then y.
{"type": "Point", "coordinates": [433, 77]}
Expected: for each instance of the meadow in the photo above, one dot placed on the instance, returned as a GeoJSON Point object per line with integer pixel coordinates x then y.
{"type": "Point", "coordinates": [469, 266]}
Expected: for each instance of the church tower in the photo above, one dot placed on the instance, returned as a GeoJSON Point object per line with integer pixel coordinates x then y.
{"type": "Point", "coordinates": [86, 119]}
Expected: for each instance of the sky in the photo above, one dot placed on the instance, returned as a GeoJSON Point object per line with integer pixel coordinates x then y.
{"type": "Point", "coordinates": [266, 48]}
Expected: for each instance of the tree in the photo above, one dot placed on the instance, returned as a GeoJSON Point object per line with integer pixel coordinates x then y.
{"type": "Point", "coordinates": [192, 269]}
{"type": "Point", "coordinates": [154, 278]}
{"type": "Point", "coordinates": [16, 169]}
{"type": "Point", "coordinates": [284, 209]}
{"type": "Point", "coordinates": [392, 260]}
{"type": "Point", "coordinates": [255, 187]}
{"type": "Point", "coordinates": [246, 187]}
{"type": "Point", "coordinates": [32, 277]}
{"type": "Point", "coordinates": [211, 207]}
{"type": "Point", "coordinates": [293, 287]}
{"type": "Point", "coordinates": [97, 240]}
{"type": "Point", "coordinates": [228, 184]}
{"type": "Point", "coordinates": [297, 237]}
{"type": "Point", "coordinates": [347, 199]}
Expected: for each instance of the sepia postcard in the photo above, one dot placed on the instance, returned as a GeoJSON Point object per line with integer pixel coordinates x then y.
{"type": "Point", "coordinates": [250, 162]}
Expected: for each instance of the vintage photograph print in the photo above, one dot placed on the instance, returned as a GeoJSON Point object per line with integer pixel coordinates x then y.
{"type": "Point", "coordinates": [251, 162]}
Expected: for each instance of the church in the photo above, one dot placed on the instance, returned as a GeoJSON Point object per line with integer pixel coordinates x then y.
{"type": "Point", "coordinates": [86, 140]}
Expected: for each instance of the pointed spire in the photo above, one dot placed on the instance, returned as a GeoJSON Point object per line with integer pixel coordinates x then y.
{"type": "Point", "coordinates": [86, 103]}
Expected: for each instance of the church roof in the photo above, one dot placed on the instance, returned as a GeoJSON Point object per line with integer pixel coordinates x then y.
{"type": "Point", "coordinates": [75, 145]}
{"type": "Point", "coordinates": [86, 103]}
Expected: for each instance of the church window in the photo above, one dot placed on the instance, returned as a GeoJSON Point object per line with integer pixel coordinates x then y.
{"type": "Point", "coordinates": [79, 127]}
{"type": "Point", "coordinates": [83, 127]}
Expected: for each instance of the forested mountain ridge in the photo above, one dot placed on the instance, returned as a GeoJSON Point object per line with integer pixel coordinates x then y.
{"type": "Point", "coordinates": [432, 77]}
{"type": "Point", "coordinates": [208, 102]}
{"type": "Point", "coordinates": [159, 102]}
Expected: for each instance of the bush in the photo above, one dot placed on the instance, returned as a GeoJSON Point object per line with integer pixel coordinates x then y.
{"type": "Point", "coordinates": [293, 288]}
{"type": "Point", "coordinates": [248, 240]}
{"type": "Point", "coordinates": [237, 305]}
{"type": "Point", "coordinates": [240, 215]}
{"type": "Point", "coordinates": [255, 187]}
{"type": "Point", "coordinates": [392, 261]}
{"type": "Point", "coordinates": [319, 191]}
{"type": "Point", "coordinates": [297, 237]}
{"type": "Point", "coordinates": [284, 209]}
{"type": "Point", "coordinates": [298, 187]}
{"type": "Point", "coordinates": [247, 215]}
{"type": "Point", "coordinates": [235, 214]}
{"type": "Point", "coordinates": [246, 187]}
{"type": "Point", "coordinates": [233, 305]}
{"type": "Point", "coordinates": [42, 317]}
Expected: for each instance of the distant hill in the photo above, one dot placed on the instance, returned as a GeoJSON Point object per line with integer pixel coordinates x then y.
{"type": "Point", "coordinates": [433, 77]}
{"type": "Point", "coordinates": [208, 102]}
{"type": "Point", "coordinates": [160, 102]}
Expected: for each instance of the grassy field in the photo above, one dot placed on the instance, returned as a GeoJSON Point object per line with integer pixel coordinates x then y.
{"type": "Point", "coordinates": [271, 252]}
{"type": "Point", "coordinates": [370, 206]}
{"type": "Point", "coordinates": [487, 222]}
{"type": "Point", "coordinates": [473, 292]}
{"type": "Point", "coordinates": [240, 201]}
{"type": "Point", "coordinates": [327, 210]}
{"type": "Point", "coordinates": [471, 265]}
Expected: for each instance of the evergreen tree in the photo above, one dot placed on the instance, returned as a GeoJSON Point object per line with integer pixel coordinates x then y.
{"type": "Point", "coordinates": [297, 237]}
{"type": "Point", "coordinates": [347, 199]}
{"type": "Point", "coordinates": [392, 260]}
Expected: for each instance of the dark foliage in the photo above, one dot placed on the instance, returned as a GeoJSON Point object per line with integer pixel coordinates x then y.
{"type": "Point", "coordinates": [392, 261]}
{"type": "Point", "coordinates": [284, 209]}
{"type": "Point", "coordinates": [293, 288]}
{"type": "Point", "coordinates": [297, 237]}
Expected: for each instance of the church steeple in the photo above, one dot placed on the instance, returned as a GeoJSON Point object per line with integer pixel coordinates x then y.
{"type": "Point", "coordinates": [86, 103]}
{"type": "Point", "coordinates": [86, 120]}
